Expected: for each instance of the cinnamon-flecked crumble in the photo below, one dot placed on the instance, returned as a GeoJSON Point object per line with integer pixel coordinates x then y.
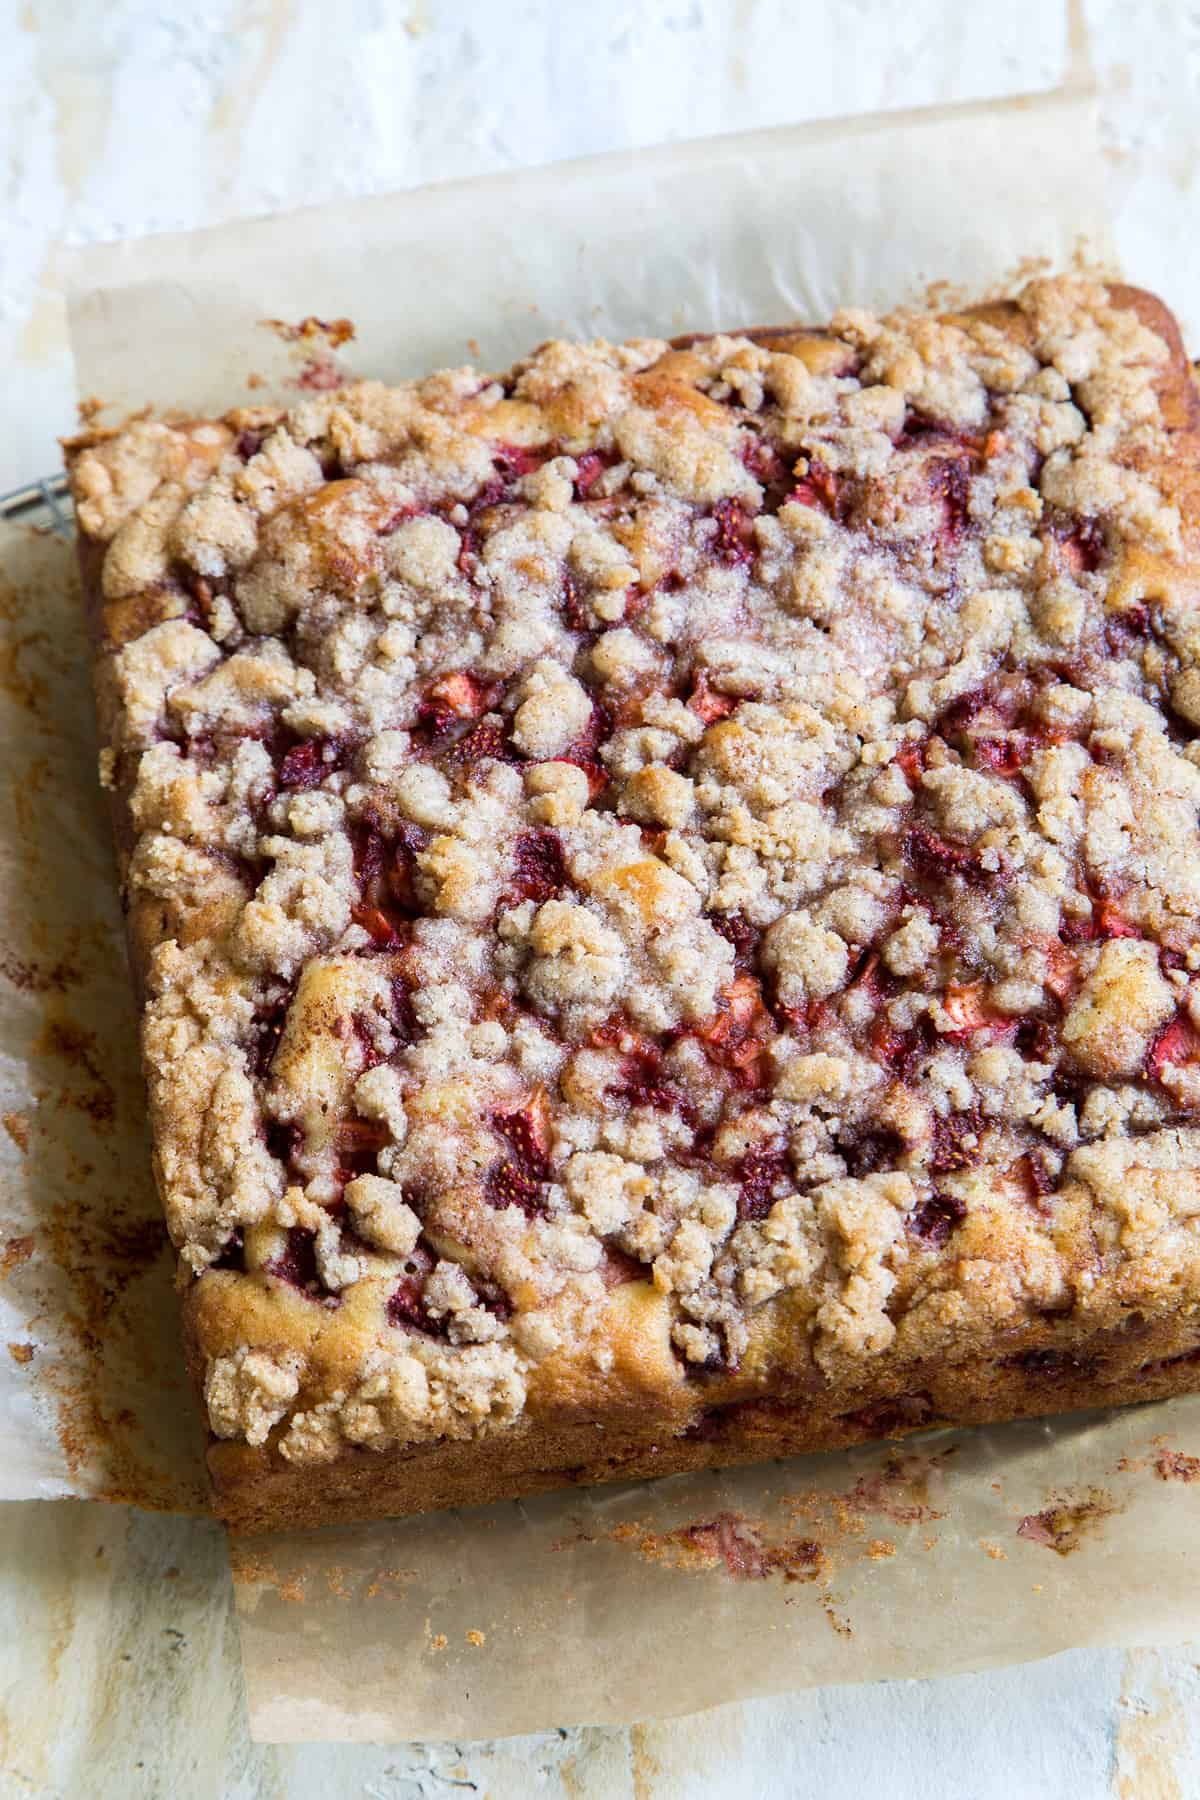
{"type": "Point", "coordinates": [672, 872]}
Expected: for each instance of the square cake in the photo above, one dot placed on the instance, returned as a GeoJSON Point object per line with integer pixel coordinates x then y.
{"type": "Point", "coordinates": [664, 889]}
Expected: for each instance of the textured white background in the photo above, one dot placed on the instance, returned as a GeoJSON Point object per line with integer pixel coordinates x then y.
{"type": "Point", "coordinates": [118, 1670]}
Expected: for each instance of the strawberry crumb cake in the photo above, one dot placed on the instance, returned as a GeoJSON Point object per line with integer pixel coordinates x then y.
{"type": "Point", "coordinates": [665, 888]}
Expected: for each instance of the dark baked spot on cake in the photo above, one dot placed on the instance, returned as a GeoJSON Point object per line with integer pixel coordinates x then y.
{"type": "Point", "coordinates": [886, 1418]}
{"type": "Point", "coordinates": [1053, 1364]}
{"type": "Point", "coordinates": [233, 1254]}
{"type": "Point", "coordinates": [284, 1140]}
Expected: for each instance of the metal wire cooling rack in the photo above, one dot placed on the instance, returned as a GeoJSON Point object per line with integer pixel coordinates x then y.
{"type": "Point", "coordinates": [42, 502]}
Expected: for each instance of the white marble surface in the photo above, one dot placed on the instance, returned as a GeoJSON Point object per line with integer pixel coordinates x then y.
{"type": "Point", "coordinates": [118, 1669]}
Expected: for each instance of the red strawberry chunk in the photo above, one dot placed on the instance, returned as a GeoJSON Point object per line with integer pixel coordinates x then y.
{"type": "Point", "coordinates": [999, 702]}
{"type": "Point", "coordinates": [1034, 1177]}
{"type": "Point", "coordinates": [643, 1080]}
{"type": "Point", "coordinates": [268, 1029]}
{"type": "Point", "coordinates": [1084, 546]}
{"type": "Point", "coordinates": [519, 1176]}
{"type": "Point", "coordinates": [769, 467]}
{"type": "Point", "coordinates": [303, 766]}
{"type": "Point", "coordinates": [508, 1184]}
{"type": "Point", "coordinates": [539, 867]}
{"type": "Point", "coordinates": [912, 757]}
{"type": "Point", "coordinates": [383, 933]}
{"type": "Point", "coordinates": [575, 617]}
{"type": "Point", "coordinates": [485, 740]}
{"type": "Point", "coordinates": [297, 1261]}
{"type": "Point", "coordinates": [901, 1051]}
{"type": "Point", "coordinates": [935, 1219]}
{"type": "Point", "coordinates": [820, 488]}
{"type": "Point", "coordinates": [406, 1303]}
{"type": "Point", "coordinates": [737, 1035]}
{"type": "Point", "coordinates": [734, 540]}
{"type": "Point", "coordinates": [737, 930]}
{"type": "Point", "coordinates": [938, 859]}
{"type": "Point", "coordinates": [618, 1268]}
{"type": "Point", "coordinates": [514, 460]}
{"type": "Point", "coordinates": [970, 1015]}
{"type": "Point", "coordinates": [1106, 921]}
{"type": "Point", "coordinates": [1177, 1044]}
{"type": "Point", "coordinates": [1113, 923]}
{"type": "Point", "coordinates": [760, 1171]}
{"type": "Point", "coordinates": [358, 1142]}
{"type": "Point", "coordinates": [455, 698]}
{"type": "Point", "coordinates": [589, 468]}
{"type": "Point", "coordinates": [708, 702]}
{"type": "Point", "coordinates": [361, 1025]}
{"type": "Point", "coordinates": [368, 849]}
{"type": "Point", "coordinates": [1002, 755]}
{"type": "Point", "coordinates": [954, 1141]}
{"type": "Point", "coordinates": [1061, 970]}
{"type": "Point", "coordinates": [950, 483]}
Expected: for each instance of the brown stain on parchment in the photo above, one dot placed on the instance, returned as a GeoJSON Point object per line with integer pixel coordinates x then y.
{"type": "Point", "coordinates": [87, 1263]}
{"type": "Point", "coordinates": [807, 1537]}
{"type": "Point", "coordinates": [251, 1567]}
{"type": "Point", "coordinates": [1152, 1732]}
{"type": "Point", "coordinates": [1068, 1519]}
{"type": "Point", "coordinates": [313, 346]}
{"type": "Point", "coordinates": [329, 334]}
{"type": "Point", "coordinates": [898, 1491]}
{"type": "Point", "coordinates": [1173, 1465]}
{"type": "Point", "coordinates": [76, 1047]}
{"type": "Point", "coordinates": [17, 1126]}
{"type": "Point", "coordinates": [748, 1551]}
{"type": "Point", "coordinates": [16, 1251]}
{"type": "Point", "coordinates": [34, 975]}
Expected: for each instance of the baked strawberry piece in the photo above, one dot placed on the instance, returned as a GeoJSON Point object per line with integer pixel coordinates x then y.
{"type": "Point", "coordinates": [666, 888]}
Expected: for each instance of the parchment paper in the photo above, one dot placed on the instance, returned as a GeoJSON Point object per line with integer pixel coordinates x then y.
{"type": "Point", "coordinates": [753, 229]}
{"type": "Point", "coordinates": [93, 1400]}
{"type": "Point", "coordinates": [952, 1553]}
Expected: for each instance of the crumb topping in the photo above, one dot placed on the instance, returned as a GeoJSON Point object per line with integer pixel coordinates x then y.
{"type": "Point", "coordinates": [715, 825]}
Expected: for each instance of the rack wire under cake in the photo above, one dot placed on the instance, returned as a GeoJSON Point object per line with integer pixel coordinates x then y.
{"type": "Point", "coordinates": [42, 502]}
